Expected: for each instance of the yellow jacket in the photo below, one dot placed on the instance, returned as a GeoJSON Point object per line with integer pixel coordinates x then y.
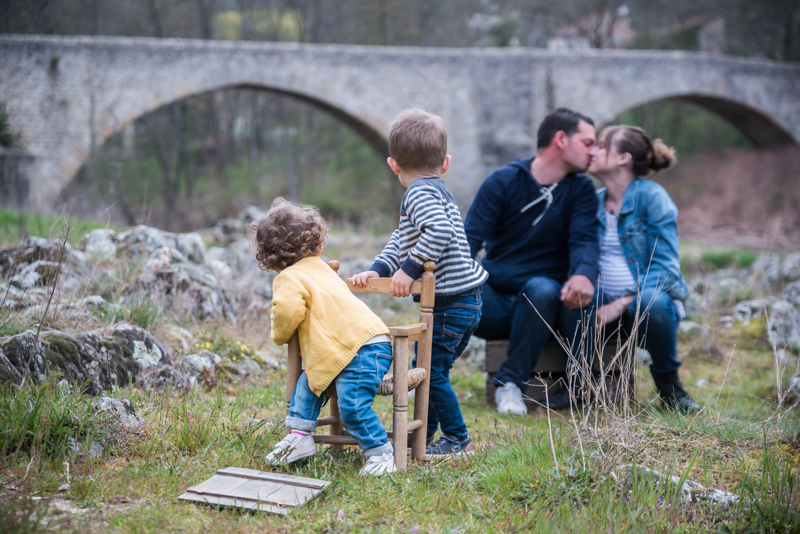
{"type": "Point", "coordinates": [310, 298]}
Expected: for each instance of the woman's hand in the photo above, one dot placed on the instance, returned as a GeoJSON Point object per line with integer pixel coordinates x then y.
{"type": "Point", "coordinates": [611, 311]}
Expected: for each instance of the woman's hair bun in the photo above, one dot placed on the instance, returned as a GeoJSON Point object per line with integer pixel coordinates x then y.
{"type": "Point", "coordinates": [662, 156]}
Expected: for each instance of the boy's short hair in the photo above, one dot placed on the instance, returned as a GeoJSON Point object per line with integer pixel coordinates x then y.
{"type": "Point", "coordinates": [418, 140]}
{"type": "Point", "coordinates": [288, 233]}
{"type": "Point", "coordinates": [561, 120]}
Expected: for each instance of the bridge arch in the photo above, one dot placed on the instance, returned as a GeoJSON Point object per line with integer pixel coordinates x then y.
{"type": "Point", "coordinates": [756, 125]}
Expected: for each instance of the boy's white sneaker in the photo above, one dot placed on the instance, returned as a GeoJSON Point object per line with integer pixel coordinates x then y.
{"type": "Point", "coordinates": [508, 399]}
{"type": "Point", "coordinates": [379, 464]}
{"type": "Point", "coordinates": [292, 448]}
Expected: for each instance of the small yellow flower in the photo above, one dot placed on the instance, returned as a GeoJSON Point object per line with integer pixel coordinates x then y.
{"type": "Point", "coordinates": [244, 347]}
{"type": "Point", "coordinates": [238, 343]}
{"type": "Point", "coordinates": [234, 358]}
{"type": "Point", "coordinates": [102, 314]}
{"type": "Point", "coordinates": [196, 345]}
{"type": "Point", "coordinates": [208, 345]}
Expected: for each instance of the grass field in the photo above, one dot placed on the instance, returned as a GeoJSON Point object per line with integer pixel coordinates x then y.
{"type": "Point", "coordinates": [527, 475]}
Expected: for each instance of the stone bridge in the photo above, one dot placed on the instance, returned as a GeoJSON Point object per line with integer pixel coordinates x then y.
{"type": "Point", "coordinates": [67, 95]}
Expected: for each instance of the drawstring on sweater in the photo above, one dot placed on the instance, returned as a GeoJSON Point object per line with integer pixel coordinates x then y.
{"type": "Point", "coordinates": [546, 195]}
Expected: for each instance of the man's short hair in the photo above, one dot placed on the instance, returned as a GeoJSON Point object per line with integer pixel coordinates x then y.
{"type": "Point", "coordinates": [418, 140]}
{"type": "Point", "coordinates": [562, 119]}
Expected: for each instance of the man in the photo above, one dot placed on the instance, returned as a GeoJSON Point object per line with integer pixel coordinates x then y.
{"type": "Point", "coordinates": [536, 218]}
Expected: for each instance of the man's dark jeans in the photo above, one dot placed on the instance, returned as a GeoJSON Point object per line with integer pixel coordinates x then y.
{"type": "Point", "coordinates": [512, 317]}
{"type": "Point", "coordinates": [452, 327]}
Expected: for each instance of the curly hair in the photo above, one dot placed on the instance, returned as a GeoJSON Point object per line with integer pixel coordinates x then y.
{"type": "Point", "coordinates": [288, 233]}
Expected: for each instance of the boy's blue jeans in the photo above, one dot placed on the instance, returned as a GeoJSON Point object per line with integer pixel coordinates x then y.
{"type": "Point", "coordinates": [452, 328]}
{"type": "Point", "coordinates": [356, 387]}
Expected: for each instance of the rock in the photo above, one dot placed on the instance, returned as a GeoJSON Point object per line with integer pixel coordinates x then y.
{"type": "Point", "coordinates": [195, 287]}
{"type": "Point", "coordinates": [748, 310]}
{"type": "Point", "coordinates": [475, 353]}
{"type": "Point", "coordinates": [77, 448]}
{"type": "Point", "coordinates": [768, 266]}
{"type": "Point", "coordinates": [791, 293]}
{"type": "Point", "coordinates": [247, 366]}
{"type": "Point", "coordinates": [689, 491]}
{"type": "Point", "coordinates": [176, 334]}
{"type": "Point", "coordinates": [784, 325]}
{"type": "Point", "coordinates": [229, 230]}
{"type": "Point", "coordinates": [784, 358]}
{"type": "Point", "coordinates": [99, 245]}
{"type": "Point", "coordinates": [119, 408]}
{"type": "Point", "coordinates": [793, 388]}
{"type": "Point", "coordinates": [691, 329]}
{"type": "Point", "coordinates": [205, 360]}
{"type": "Point", "coordinates": [703, 382]}
{"type": "Point", "coordinates": [725, 321]}
{"type": "Point", "coordinates": [251, 214]}
{"type": "Point", "coordinates": [142, 241]}
{"type": "Point", "coordinates": [34, 249]}
{"type": "Point", "coordinates": [146, 351]}
{"type": "Point", "coordinates": [268, 359]}
{"type": "Point", "coordinates": [8, 372]}
{"type": "Point", "coordinates": [37, 273]}
{"type": "Point", "coordinates": [643, 357]}
{"type": "Point", "coordinates": [790, 267]}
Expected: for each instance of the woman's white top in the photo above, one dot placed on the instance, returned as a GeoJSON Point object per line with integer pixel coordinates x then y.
{"type": "Point", "coordinates": [615, 275]}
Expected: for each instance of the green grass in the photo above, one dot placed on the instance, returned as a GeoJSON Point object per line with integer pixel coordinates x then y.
{"type": "Point", "coordinates": [741, 443]}
{"type": "Point", "coordinates": [17, 225]}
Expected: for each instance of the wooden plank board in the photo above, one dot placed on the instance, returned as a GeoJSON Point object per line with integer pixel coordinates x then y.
{"type": "Point", "coordinates": [255, 490]}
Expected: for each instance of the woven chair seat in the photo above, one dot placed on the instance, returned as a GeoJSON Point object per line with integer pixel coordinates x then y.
{"type": "Point", "coordinates": [415, 378]}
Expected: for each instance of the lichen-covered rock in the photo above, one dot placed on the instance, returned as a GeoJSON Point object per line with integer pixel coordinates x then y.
{"type": "Point", "coordinates": [99, 245]}
{"type": "Point", "coordinates": [768, 266]}
{"type": "Point", "coordinates": [791, 293]}
{"type": "Point", "coordinates": [167, 271]}
{"type": "Point", "coordinates": [142, 241]}
{"type": "Point", "coordinates": [121, 409]}
{"type": "Point", "coordinates": [691, 329]}
{"type": "Point", "coordinates": [145, 349]}
{"type": "Point", "coordinates": [784, 325]}
{"type": "Point", "coordinates": [748, 310]}
{"type": "Point", "coordinates": [205, 360]}
{"type": "Point", "coordinates": [790, 267]}
{"type": "Point", "coordinates": [251, 214]}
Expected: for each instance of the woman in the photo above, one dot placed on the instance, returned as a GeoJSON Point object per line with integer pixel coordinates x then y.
{"type": "Point", "coordinates": [640, 274]}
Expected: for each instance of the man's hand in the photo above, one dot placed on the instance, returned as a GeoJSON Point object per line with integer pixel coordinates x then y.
{"type": "Point", "coordinates": [577, 292]}
{"type": "Point", "coordinates": [401, 283]}
{"type": "Point", "coordinates": [360, 279]}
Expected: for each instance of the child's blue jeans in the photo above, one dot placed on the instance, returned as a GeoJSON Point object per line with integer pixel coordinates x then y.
{"type": "Point", "coordinates": [356, 387]}
{"type": "Point", "coordinates": [452, 328]}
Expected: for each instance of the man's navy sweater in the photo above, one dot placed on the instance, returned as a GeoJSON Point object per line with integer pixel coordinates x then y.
{"type": "Point", "coordinates": [563, 243]}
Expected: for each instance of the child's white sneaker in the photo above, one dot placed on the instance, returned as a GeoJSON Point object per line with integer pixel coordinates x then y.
{"type": "Point", "coordinates": [292, 448]}
{"type": "Point", "coordinates": [379, 464]}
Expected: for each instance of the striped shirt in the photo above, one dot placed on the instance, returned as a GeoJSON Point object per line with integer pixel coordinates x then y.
{"type": "Point", "coordinates": [615, 275]}
{"type": "Point", "coordinates": [431, 229]}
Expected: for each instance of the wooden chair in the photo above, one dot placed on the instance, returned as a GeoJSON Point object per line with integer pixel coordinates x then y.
{"type": "Point", "coordinates": [422, 333]}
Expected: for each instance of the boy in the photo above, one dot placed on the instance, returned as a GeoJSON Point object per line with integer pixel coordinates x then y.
{"type": "Point", "coordinates": [431, 229]}
{"type": "Point", "coordinates": [341, 340]}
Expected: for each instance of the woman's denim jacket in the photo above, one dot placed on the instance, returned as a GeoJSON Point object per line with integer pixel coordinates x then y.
{"type": "Point", "coordinates": [648, 232]}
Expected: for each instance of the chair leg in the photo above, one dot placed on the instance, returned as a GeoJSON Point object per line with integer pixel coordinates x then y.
{"type": "Point", "coordinates": [400, 415]}
{"type": "Point", "coordinates": [337, 429]}
{"type": "Point", "coordinates": [293, 372]}
{"type": "Point", "coordinates": [420, 436]}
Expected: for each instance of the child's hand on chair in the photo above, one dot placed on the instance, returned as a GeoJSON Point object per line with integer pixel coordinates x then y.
{"type": "Point", "coordinates": [401, 284]}
{"type": "Point", "coordinates": [360, 279]}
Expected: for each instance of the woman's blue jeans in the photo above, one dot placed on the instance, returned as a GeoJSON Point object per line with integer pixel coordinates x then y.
{"type": "Point", "coordinates": [657, 328]}
{"type": "Point", "coordinates": [356, 387]}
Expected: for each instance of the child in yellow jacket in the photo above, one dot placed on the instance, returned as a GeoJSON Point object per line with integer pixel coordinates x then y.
{"type": "Point", "coordinates": [341, 339]}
